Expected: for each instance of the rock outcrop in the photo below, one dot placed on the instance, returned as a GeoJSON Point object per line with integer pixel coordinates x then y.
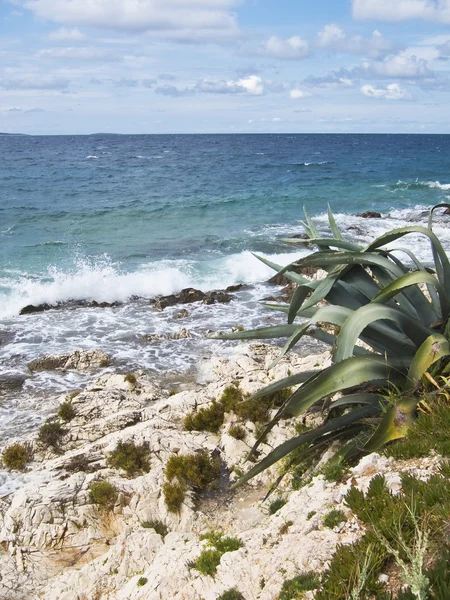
{"type": "Point", "coordinates": [57, 544]}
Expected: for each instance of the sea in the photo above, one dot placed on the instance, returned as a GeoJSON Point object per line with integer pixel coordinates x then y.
{"type": "Point", "coordinates": [127, 218]}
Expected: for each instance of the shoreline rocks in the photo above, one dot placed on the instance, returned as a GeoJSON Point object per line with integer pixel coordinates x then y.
{"type": "Point", "coordinates": [57, 544]}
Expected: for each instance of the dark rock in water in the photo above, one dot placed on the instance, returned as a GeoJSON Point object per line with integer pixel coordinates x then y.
{"type": "Point", "coordinates": [446, 211]}
{"type": "Point", "coordinates": [370, 214]}
{"type": "Point", "coordinates": [11, 381]}
{"type": "Point", "coordinates": [236, 288]}
{"type": "Point", "coordinates": [30, 309]}
{"type": "Point", "coordinates": [189, 295]}
{"type": "Point", "coordinates": [217, 297]}
{"type": "Point", "coordinates": [181, 314]}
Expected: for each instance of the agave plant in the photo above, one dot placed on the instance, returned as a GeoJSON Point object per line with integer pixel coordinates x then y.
{"type": "Point", "coordinates": [398, 310]}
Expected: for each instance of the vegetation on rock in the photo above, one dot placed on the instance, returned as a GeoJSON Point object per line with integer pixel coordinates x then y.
{"type": "Point", "coordinates": [132, 458]}
{"type": "Point", "coordinates": [294, 588]}
{"type": "Point", "coordinates": [16, 456]}
{"type": "Point", "coordinates": [50, 434]}
{"type": "Point", "coordinates": [218, 545]}
{"type": "Point", "coordinates": [103, 493]}
{"type": "Point", "coordinates": [159, 526]}
{"type": "Point", "coordinates": [66, 411]}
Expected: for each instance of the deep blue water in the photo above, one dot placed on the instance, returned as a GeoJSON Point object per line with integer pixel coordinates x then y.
{"type": "Point", "coordinates": [150, 198]}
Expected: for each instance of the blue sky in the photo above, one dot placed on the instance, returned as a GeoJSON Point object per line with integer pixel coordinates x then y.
{"type": "Point", "coordinates": [224, 66]}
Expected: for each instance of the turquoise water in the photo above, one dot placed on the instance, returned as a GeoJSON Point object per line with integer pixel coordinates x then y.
{"type": "Point", "coordinates": [127, 218]}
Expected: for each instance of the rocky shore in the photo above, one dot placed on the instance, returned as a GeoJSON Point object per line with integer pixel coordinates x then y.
{"type": "Point", "coordinates": [57, 543]}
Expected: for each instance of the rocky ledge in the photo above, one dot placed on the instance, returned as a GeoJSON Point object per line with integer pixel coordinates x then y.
{"type": "Point", "coordinates": [58, 542]}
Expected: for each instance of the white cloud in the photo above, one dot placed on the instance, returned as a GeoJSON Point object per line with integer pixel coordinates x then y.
{"type": "Point", "coordinates": [393, 67]}
{"type": "Point", "coordinates": [391, 92]}
{"type": "Point", "coordinates": [63, 34]}
{"type": "Point", "coordinates": [400, 10]}
{"type": "Point", "coordinates": [291, 48]}
{"type": "Point", "coordinates": [141, 15]}
{"type": "Point", "coordinates": [334, 37]}
{"type": "Point", "coordinates": [276, 120]}
{"type": "Point", "coordinates": [297, 94]}
{"type": "Point", "coordinates": [252, 85]}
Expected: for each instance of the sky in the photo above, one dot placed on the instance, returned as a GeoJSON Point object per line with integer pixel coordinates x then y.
{"type": "Point", "coordinates": [224, 66]}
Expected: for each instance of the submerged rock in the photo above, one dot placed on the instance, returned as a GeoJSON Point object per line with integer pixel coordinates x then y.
{"type": "Point", "coordinates": [31, 308]}
{"type": "Point", "coordinates": [80, 360]}
{"type": "Point", "coordinates": [190, 295]}
{"type": "Point", "coordinates": [370, 214]}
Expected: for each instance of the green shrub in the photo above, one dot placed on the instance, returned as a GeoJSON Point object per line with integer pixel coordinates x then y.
{"type": "Point", "coordinates": [141, 581]}
{"type": "Point", "coordinates": [294, 588]}
{"type": "Point", "coordinates": [333, 471]}
{"type": "Point", "coordinates": [174, 494]}
{"type": "Point", "coordinates": [218, 545]}
{"type": "Point", "coordinates": [237, 432]}
{"type": "Point", "coordinates": [311, 514]}
{"type": "Point", "coordinates": [196, 470]}
{"type": "Point", "coordinates": [16, 456]}
{"type": "Point", "coordinates": [131, 378]}
{"type": "Point", "coordinates": [130, 457]}
{"type": "Point", "coordinates": [159, 526]}
{"type": "Point", "coordinates": [231, 396]}
{"type": "Point", "coordinates": [103, 493]}
{"type": "Point", "coordinates": [333, 518]}
{"type": "Point", "coordinates": [50, 434]}
{"type": "Point", "coordinates": [205, 419]}
{"type": "Point", "coordinates": [66, 411]}
{"type": "Point", "coordinates": [367, 295]}
{"type": "Point", "coordinates": [231, 594]}
{"type": "Point", "coordinates": [276, 505]}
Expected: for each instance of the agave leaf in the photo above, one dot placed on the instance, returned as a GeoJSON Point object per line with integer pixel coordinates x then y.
{"type": "Point", "coordinates": [361, 281]}
{"type": "Point", "coordinates": [295, 337]}
{"type": "Point", "coordinates": [441, 260]}
{"type": "Point", "coordinates": [430, 217]}
{"type": "Point", "coordinates": [307, 437]}
{"type": "Point", "coordinates": [364, 316]}
{"type": "Point", "coordinates": [323, 242]}
{"type": "Point", "coordinates": [339, 376]}
{"type": "Point", "coordinates": [300, 295]}
{"type": "Point", "coordinates": [277, 307]}
{"type": "Point", "coordinates": [295, 277]}
{"type": "Point", "coordinates": [333, 225]}
{"type": "Point", "coordinates": [394, 425]}
{"type": "Point", "coordinates": [361, 398]}
{"type": "Point", "coordinates": [310, 224]}
{"type": "Point", "coordinates": [414, 278]}
{"type": "Point", "coordinates": [263, 333]}
{"type": "Point", "coordinates": [421, 267]}
{"type": "Point", "coordinates": [433, 348]}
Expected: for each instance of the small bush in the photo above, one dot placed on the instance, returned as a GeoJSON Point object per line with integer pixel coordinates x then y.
{"type": "Point", "coordinates": [50, 434]}
{"type": "Point", "coordinates": [218, 545]}
{"type": "Point", "coordinates": [103, 493]}
{"type": "Point", "coordinates": [232, 594]}
{"type": "Point", "coordinates": [132, 458]}
{"type": "Point", "coordinates": [294, 588]}
{"type": "Point", "coordinates": [66, 411]}
{"type": "Point", "coordinates": [231, 396]}
{"type": "Point", "coordinates": [333, 471]}
{"type": "Point", "coordinates": [276, 505]}
{"type": "Point", "coordinates": [78, 464]}
{"type": "Point", "coordinates": [237, 432]}
{"type": "Point", "coordinates": [205, 419]}
{"type": "Point", "coordinates": [131, 378]}
{"type": "Point", "coordinates": [16, 456]}
{"type": "Point", "coordinates": [159, 527]}
{"type": "Point", "coordinates": [174, 494]}
{"type": "Point", "coordinates": [196, 470]}
{"type": "Point", "coordinates": [333, 518]}
{"type": "Point", "coordinates": [141, 581]}
{"type": "Point", "coordinates": [310, 515]}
